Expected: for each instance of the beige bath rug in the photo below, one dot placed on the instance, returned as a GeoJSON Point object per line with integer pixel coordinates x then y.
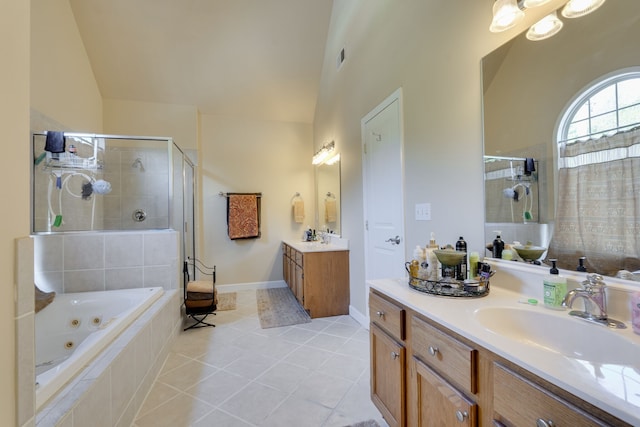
{"type": "Point", "coordinates": [279, 307]}
{"type": "Point", "coordinates": [226, 301]}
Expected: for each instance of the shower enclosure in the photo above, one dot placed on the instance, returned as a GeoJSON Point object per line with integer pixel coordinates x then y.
{"type": "Point", "coordinates": [112, 182]}
{"type": "Point", "coordinates": [511, 193]}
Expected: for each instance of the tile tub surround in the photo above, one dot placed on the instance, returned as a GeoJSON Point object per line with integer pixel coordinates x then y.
{"type": "Point", "coordinates": [80, 262]}
{"type": "Point", "coordinates": [110, 390]}
{"type": "Point", "coordinates": [514, 281]}
{"type": "Point", "coordinates": [24, 327]}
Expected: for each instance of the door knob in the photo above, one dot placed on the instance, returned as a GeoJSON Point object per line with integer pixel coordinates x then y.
{"type": "Point", "coordinates": [394, 240]}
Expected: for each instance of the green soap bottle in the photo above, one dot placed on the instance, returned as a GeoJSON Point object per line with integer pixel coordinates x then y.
{"type": "Point", "coordinates": [555, 288]}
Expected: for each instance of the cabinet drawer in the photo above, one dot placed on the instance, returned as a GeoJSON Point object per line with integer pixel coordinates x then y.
{"type": "Point", "coordinates": [387, 315]}
{"type": "Point", "coordinates": [440, 404]}
{"type": "Point", "coordinates": [298, 258]}
{"type": "Point", "coordinates": [448, 356]}
{"type": "Point", "coordinates": [519, 402]}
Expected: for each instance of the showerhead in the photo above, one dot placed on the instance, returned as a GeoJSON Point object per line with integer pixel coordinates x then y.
{"type": "Point", "coordinates": [137, 163]}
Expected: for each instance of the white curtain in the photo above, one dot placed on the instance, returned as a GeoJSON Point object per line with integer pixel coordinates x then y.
{"type": "Point", "coordinates": [598, 207]}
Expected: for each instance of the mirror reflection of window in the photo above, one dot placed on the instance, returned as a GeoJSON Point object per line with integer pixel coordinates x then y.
{"type": "Point", "coordinates": [598, 185]}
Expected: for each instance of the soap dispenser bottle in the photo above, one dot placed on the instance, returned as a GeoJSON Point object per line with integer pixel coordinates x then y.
{"type": "Point", "coordinates": [555, 288]}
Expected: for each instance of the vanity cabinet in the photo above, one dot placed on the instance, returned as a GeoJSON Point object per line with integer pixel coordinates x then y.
{"type": "Point", "coordinates": [318, 279]}
{"type": "Point", "coordinates": [449, 380]}
{"type": "Point", "coordinates": [388, 359]}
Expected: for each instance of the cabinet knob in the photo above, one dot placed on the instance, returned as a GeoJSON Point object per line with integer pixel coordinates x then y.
{"type": "Point", "coordinates": [394, 355]}
{"type": "Point", "coordinates": [380, 313]}
{"type": "Point", "coordinates": [542, 423]}
{"type": "Point", "coordinates": [433, 350]}
{"type": "Point", "coordinates": [461, 416]}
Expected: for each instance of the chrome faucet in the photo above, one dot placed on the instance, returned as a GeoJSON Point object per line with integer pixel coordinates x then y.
{"type": "Point", "coordinates": [595, 302]}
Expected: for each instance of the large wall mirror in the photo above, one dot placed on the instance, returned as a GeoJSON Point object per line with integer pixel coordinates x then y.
{"type": "Point", "coordinates": [526, 87]}
{"type": "Point", "coordinates": [328, 196]}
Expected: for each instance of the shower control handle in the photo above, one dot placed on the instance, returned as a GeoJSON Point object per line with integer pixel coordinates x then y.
{"type": "Point", "coordinates": [139, 215]}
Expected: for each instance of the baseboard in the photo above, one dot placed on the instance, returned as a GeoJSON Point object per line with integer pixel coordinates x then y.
{"type": "Point", "coordinates": [235, 287]}
{"type": "Point", "coordinates": [359, 317]}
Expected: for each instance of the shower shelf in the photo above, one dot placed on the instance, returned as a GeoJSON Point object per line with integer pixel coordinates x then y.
{"type": "Point", "coordinates": [73, 163]}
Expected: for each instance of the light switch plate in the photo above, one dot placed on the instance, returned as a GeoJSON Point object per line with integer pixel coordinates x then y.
{"type": "Point", "coordinates": [423, 211]}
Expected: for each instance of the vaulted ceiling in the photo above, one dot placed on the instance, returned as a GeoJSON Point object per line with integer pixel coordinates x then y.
{"type": "Point", "coordinates": [255, 58]}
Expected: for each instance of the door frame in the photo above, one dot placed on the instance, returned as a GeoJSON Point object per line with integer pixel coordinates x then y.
{"type": "Point", "coordinates": [395, 96]}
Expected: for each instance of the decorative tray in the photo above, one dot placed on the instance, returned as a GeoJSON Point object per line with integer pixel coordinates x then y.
{"type": "Point", "coordinates": [452, 288]}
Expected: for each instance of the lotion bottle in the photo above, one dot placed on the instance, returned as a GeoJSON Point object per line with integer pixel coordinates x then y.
{"type": "Point", "coordinates": [555, 288]}
{"type": "Point", "coordinates": [432, 259]}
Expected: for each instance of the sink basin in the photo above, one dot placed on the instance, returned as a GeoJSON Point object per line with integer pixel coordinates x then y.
{"type": "Point", "coordinates": [568, 336]}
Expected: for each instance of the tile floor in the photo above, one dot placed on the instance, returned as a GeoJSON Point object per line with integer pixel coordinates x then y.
{"type": "Point", "coordinates": [237, 374]}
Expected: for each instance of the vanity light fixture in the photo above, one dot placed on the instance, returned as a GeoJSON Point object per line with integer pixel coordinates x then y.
{"type": "Point", "coordinates": [323, 153]}
{"type": "Point", "coordinates": [333, 160]}
{"type": "Point", "coordinates": [507, 13]}
{"type": "Point", "coordinates": [578, 8]}
{"type": "Point", "coordinates": [545, 28]}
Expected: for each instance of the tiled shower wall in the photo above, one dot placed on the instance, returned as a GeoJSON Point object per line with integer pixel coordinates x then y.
{"type": "Point", "coordinates": [107, 261]}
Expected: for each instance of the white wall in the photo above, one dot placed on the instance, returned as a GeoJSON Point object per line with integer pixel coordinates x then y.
{"type": "Point", "coordinates": [63, 86]}
{"type": "Point", "coordinates": [180, 122]}
{"type": "Point", "coordinates": [246, 155]}
{"type": "Point", "coordinates": [433, 51]}
{"type": "Point", "coordinates": [14, 122]}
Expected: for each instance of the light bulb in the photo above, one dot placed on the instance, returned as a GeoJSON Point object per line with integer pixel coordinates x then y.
{"type": "Point", "coordinates": [578, 8]}
{"type": "Point", "coordinates": [506, 14]}
{"type": "Point", "coordinates": [548, 26]}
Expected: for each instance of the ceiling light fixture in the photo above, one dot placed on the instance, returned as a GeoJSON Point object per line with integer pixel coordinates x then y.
{"type": "Point", "coordinates": [545, 28]}
{"type": "Point", "coordinates": [323, 153]}
{"type": "Point", "coordinates": [578, 8]}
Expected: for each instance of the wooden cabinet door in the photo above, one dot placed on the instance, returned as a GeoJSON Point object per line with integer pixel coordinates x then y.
{"type": "Point", "coordinates": [298, 289]}
{"type": "Point", "coordinates": [388, 387]}
{"type": "Point", "coordinates": [439, 403]}
{"type": "Point", "coordinates": [286, 261]}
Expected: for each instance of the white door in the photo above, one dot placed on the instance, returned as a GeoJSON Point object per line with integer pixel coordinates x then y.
{"type": "Point", "coordinates": [383, 190]}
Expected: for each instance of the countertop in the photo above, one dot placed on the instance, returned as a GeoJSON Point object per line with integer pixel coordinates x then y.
{"type": "Point", "coordinates": [336, 244]}
{"type": "Point", "coordinates": [613, 388]}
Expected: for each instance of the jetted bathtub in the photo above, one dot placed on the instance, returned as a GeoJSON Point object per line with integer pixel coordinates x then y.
{"type": "Point", "coordinates": [76, 327]}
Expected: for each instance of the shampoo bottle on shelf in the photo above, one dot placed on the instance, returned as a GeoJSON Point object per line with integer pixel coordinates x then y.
{"type": "Point", "coordinates": [555, 288]}
{"type": "Point", "coordinates": [498, 247]}
{"type": "Point", "coordinates": [461, 270]}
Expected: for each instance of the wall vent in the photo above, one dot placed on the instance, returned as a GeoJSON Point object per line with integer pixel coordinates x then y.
{"type": "Point", "coordinates": [340, 59]}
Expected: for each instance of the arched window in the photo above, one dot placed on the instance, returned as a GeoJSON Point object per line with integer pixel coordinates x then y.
{"type": "Point", "coordinates": [598, 186]}
{"type": "Point", "coordinates": [609, 105]}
